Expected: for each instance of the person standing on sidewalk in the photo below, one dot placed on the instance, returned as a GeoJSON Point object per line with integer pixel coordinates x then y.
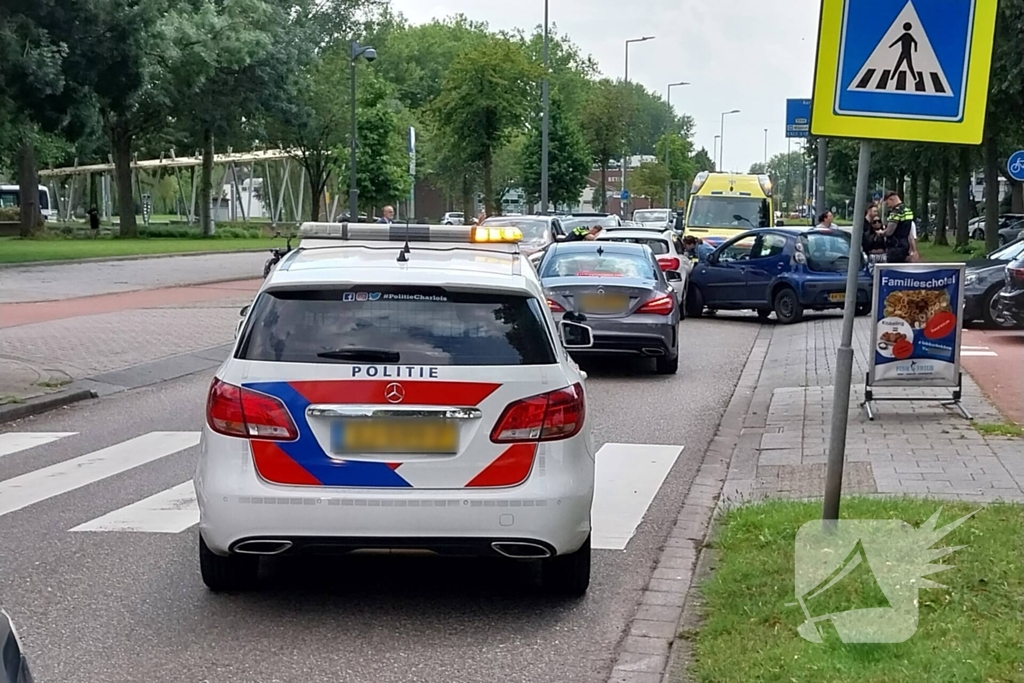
{"type": "Point", "coordinates": [899, 231]}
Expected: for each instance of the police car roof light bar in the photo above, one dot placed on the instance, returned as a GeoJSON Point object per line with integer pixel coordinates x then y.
{"type": "Point", "coordinates": [382, 232]}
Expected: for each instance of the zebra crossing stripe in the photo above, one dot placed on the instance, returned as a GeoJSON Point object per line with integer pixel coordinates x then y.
{"type": "Point", "coordinates": [168, 512]}
{"type": "Point", "coordinates": [627, 478]}
{"type": "Point", "coordinates": [39, 485]}
{"type": "Point", "coordinates": [15, 442]}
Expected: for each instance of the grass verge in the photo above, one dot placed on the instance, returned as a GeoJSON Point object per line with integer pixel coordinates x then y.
{"type": "Point", "coordinates": [16, 250]}
{"type": "Point", "coordinates": [934, 253]}
{"type": "Point", "coordinates": [1000, 429]}
{"type": "Point", "coordinates": [970, 630]}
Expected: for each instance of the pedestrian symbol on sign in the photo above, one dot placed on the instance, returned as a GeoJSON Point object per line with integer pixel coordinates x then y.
{"type": "Point", "coordinates": [903, 61]}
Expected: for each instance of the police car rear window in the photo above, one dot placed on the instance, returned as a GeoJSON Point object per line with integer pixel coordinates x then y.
{"type": "Point", "coordinates": [397, 325]}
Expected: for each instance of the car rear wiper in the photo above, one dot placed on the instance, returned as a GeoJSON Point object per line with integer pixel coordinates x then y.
{"type": "Point", "coordinates": [363, 355]}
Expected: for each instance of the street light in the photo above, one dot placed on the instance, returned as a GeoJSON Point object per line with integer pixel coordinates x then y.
{"type": "Point", "coordinates": [625, 160]}
{"type": "Point", "coordinates": [369, 54]}
{"type": "Point", "coordinates": [721, 142]}
{"type": "Point", "coordinates": [545, 96]}
{"type": "Point", "coordinates": [765, 150]}
{"type": "Point", "coordinates": [714, 153]}
{"type": "Point", "coordinates": [668, 146]}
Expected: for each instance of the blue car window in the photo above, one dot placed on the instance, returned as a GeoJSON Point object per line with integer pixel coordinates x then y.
{"type": "Point", "coordinates": [769, 246]}
{"type": "Point", "coordinates": [737, 251]}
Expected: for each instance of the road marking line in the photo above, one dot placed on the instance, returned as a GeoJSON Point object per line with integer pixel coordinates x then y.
{"type": "Point", "coordinates": [986, 354]}
{"type": "Point", "coordinates": [627, 478]}
{"type": "Point", "coordinates": [39, 485]}
{"type": "Point", "coordinates": [13, 442]}
{"type": "Point", "coordinates": [168, 512]}
{"type": "Point", "coordinates": [974, 348]}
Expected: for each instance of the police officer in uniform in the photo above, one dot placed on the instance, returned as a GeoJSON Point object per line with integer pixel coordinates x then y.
{"type": "Point", "coordinates": [900, 224]}
{"type": "Point", "coordinates": [582, 232]}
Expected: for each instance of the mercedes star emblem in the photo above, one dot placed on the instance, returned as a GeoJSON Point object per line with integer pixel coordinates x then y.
{"type": "Point", "coordinates": [394, 392]}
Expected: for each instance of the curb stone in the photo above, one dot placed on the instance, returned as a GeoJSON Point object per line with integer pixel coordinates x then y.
{"type": "Point", "coordinates": [647, 653]}
{"type": "Point", "coordinates": [42, 404]}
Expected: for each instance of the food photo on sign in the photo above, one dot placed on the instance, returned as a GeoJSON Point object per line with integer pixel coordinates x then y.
{"type": "Point", "coordinates": [917, 324]}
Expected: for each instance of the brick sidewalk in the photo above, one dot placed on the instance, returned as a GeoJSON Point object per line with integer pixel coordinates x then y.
{"type": "Point", "coordinates": [910, 447]}
{"type": "Point", "coordinates": [773, 443]}
{"type": "Point", "coordinates": [48, 347]}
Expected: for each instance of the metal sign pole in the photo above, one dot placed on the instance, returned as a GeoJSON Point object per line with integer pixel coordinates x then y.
{"type": "Point", "coordinates": [844, 355]}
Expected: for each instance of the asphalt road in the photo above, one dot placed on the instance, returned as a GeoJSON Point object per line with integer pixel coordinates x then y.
{"type": "Point", "coordinates": [55, 282]}
{"type": "Point", "coordinates": [128, 606]}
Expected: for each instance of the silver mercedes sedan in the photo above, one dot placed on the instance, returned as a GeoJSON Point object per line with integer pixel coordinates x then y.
{"type": "Point", "coordinates": [619, 291]}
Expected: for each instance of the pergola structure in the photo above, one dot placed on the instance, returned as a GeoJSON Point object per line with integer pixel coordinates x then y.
{"type": "Point", "coordinates": [271, 202]}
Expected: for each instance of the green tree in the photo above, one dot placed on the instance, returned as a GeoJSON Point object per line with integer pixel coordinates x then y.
{"type": "Point", "coordinates": [482, 103]}
{"type": "Point", "coordinates": [702, 161]}
{"type": "Point", "coordinates": [569, 161]}
{"type": "Point", "coordinates": [382, 159]}
{"type": "Point", "coordinates": [40, 101]}
{"type": "Point", "coordinates": [649, 180]}
{"type": "Point", "coordinates": [606, 115]}
{"type": "Point", "coordinates": [682, 163]}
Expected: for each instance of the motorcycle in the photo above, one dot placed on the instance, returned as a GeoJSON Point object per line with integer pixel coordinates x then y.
{"type": "Point", "coordinates": [13, 660]}
{"type": "Point", "coordinates": [276, 255]}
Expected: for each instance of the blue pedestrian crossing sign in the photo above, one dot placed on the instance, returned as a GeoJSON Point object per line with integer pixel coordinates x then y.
{"type": "Point", "coordinates": [912, 70]}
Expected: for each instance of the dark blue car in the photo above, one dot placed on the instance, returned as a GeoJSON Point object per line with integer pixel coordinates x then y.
{"type": "Point", "coordinates": [785, 271]}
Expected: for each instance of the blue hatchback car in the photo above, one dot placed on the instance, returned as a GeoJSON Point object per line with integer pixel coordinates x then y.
{"type": "Point", "coordinates": [785, 271]}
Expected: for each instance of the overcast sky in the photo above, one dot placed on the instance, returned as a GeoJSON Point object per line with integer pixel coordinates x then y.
{"type": "Point", "coordinates": [749, 55]}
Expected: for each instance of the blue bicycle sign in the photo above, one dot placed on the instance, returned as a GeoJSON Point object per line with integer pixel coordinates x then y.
{"type": "Point", "coordinates": [1015, 166]}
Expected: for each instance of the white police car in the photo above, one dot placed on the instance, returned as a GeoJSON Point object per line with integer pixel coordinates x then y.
{"type": "Point", "coordinates": [385, 393]}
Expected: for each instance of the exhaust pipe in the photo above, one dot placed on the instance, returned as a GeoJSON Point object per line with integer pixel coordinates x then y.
{"type": "Point", "coordinates": [654, 352]}
{"type": "Point", "coordinates": [262, 547]}
{"type": "Point", "coordinates": [520, 550]}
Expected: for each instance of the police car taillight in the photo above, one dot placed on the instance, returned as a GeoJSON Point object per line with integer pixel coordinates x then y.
{"type": "Point", "coordinates": [234, 411]}
{"type": "Point", "coordinates": [547, 417]}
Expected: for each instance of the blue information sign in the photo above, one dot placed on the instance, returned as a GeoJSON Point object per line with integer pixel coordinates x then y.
{"type": "Point", "coordinates": [917, 324]}
{"type": "Point", "coordinates": [1015, 166]}
{"type": "Point", "coordinates": [624, 196]}
{"type": "Point", "coordinates": [798, 118]}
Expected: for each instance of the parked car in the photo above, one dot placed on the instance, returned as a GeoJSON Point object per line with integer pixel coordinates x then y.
{"type": "Point", "coordinates": [668, 250]}
{"type": "Point", "coordinates": [985, 278]}
{"type": "Point", "coordinates": [660, 218]}
{"type": "Point", "coordinates": [1011, 232]}
{"type": "Point", "coordinates": [538, 231]}
{"type": "Point", "coordinates": [621, 293]}
{"type": "Point", "coordinates": [976, 226]}
{"type": "Point", "coordinates": [453, 218]}
{"type": "Point", "coordinates": [605, 220]}
{"type": "Point", "coordinates": [778, 270]}
{"type": "Point", "coordinates": [1011, 298]}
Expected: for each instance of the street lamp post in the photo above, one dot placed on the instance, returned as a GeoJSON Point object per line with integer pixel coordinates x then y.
{"type": "Point", "coordinates": [765, 150]}
{"type": "Point", "coordinates": [668, 146]}
{"type": "Point", "coordinates": [721, 142]}
{"type": "Point", "coordinates": [714, 154]}
{"type": "Point", "coordinates": [545, 96]}
{"type": "Point", "coordinates": [625, 160]}
{"type": "Point", "coordinates": [369, 54]}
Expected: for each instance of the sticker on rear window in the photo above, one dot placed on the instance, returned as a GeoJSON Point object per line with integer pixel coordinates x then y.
{"type": "Point", "coordinates": [388, 296]}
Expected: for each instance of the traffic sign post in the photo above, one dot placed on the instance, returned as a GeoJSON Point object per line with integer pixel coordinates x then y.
{"type": "Point", "coordinates": [1015, 166]}
{"type": "Point", "coordinates": [798, 118]}
{"type": "Point", "coordinates": [909, 70]}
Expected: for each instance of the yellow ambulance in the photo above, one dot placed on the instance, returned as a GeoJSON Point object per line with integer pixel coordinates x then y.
{"type": "Point", "coordinates": [723, 205]}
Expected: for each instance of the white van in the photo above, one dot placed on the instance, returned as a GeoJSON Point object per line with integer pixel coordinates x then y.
{"type": "Point", "coordinates": [9, 196]}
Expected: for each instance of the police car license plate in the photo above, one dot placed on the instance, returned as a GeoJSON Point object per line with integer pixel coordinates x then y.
{"type": "Point", "coordinates": [837, 297]}
{"type": "Point", "coordinates": [603, 303]}
{"type": "Point", "coordinates": [399, 436]}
